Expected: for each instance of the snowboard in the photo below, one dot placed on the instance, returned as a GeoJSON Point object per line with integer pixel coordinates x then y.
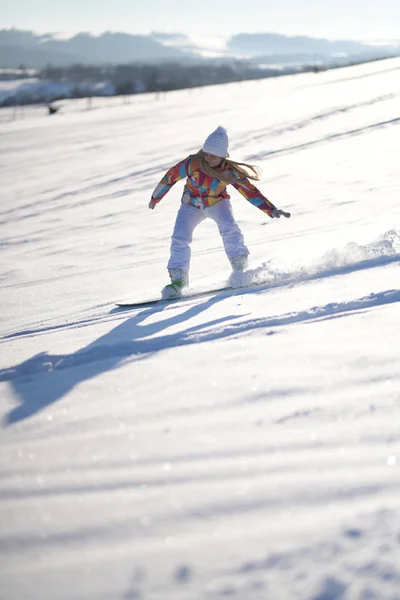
{"type": "Point", "coordinates": [185, 297]}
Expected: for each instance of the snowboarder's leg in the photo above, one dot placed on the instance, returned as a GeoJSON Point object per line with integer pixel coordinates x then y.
{"type": "Point", "coordinates": [187, 219]}
{"type": "Point", "coordinates": [232, 237]}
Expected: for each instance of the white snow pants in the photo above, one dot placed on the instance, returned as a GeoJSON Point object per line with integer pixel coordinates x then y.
{"type": "Point", "coordinates": [189, 217]}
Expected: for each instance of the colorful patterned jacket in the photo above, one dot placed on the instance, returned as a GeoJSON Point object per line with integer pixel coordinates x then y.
{"type": "Point", "coordinates": [202, 190]}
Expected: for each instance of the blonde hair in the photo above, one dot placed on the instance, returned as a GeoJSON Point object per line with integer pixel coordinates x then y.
{"type": "Point", "coordinates": [240, 169]}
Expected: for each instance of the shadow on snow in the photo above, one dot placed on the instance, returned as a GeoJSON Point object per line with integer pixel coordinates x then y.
{"type": "Point", "coordinates": [45, 378]}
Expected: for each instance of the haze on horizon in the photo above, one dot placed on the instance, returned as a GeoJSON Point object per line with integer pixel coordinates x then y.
{"type": "Point", "coordinates": [341, 19]}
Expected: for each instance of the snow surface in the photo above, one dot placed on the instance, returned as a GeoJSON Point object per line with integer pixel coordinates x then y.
{"type": "Point", "coordinates": [241, 445]}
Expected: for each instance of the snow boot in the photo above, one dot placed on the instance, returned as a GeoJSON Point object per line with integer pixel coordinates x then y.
{"type": "Point", "coordinates": [238, 276]}
{"type": "Point", "coordinates": [179, 280]}
{"type": "Point", "coordinates": [239, 263]}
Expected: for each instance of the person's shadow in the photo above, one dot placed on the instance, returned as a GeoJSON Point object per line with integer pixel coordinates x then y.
{"type": "Point", "coordinates": [45, 378]}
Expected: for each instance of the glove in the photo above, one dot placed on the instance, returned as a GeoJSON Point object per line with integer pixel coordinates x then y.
{"type": "Point", "coordinates": [152, 204]}
{"type": "Point", "coordinates": [276, 214]}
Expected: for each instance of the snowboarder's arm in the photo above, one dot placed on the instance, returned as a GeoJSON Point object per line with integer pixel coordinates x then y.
{"type": "Point", "coordinates": [257, 199]}
{"type": "Point", "coordinates": [174, 174]}
{"type": "Point", "coordinates": [254, 196]}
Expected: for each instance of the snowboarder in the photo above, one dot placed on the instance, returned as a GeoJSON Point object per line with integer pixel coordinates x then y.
{"type": "Point", "coordinates": [208, 173]}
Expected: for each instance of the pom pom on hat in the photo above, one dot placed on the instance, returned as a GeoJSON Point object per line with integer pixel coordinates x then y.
{"type": "Point", "coordinates": [217, 143]}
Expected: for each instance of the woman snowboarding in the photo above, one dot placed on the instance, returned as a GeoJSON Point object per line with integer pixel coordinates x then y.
{"type": "Point", "coordinates": [208, 173]}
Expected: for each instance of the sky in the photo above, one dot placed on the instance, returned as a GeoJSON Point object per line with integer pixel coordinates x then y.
{"type": "Point", "coordinates": [339, 19]}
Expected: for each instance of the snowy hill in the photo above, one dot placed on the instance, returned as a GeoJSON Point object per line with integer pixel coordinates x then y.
{"type": "Point", "coordinates": [242, 445]}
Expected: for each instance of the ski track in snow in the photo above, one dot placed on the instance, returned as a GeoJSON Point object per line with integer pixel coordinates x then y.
{"type": "Point", "coordinates": [240, 444]}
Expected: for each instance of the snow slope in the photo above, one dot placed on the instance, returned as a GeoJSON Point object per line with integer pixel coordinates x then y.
{"type": "Point", "coordinates": [239, 445]}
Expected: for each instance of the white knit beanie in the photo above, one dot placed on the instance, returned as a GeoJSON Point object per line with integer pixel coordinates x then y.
{"type": "Point", "coordinates": [217, 143]}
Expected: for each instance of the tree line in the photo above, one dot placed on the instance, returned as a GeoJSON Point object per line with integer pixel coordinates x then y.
{"type": "Point", "coordinates": [139, 78]}
{"type": "Point", "coordinates": [86, 81]}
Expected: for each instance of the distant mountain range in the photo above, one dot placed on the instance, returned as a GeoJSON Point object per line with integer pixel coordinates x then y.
{"type": "Point", "coordinates": [18, 47]}
{"type": "Point", "coordinates": [271, 43]}
{"type": "Point", "coordinates": [34, 51]}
